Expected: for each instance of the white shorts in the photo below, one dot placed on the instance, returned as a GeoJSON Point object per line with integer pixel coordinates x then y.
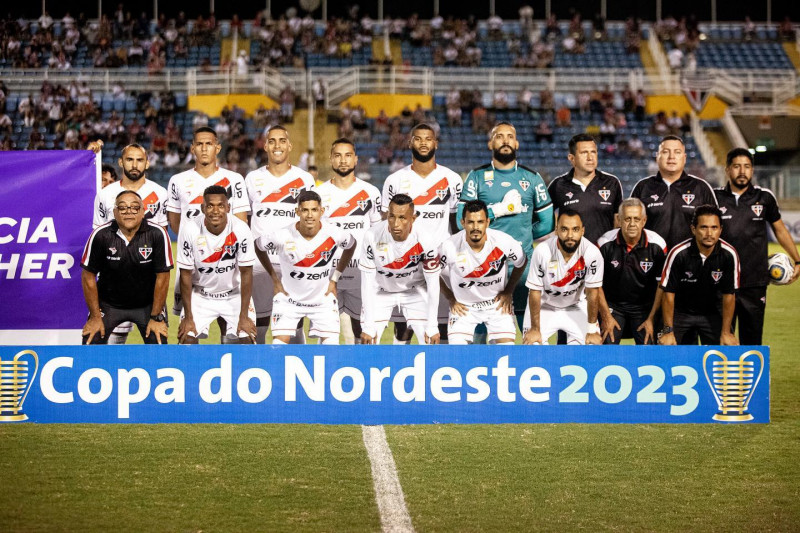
{"type": "Point", "coordinates": [206, 310]}
{"type": "Point", "coordinates": [499, 325]}
{"type": "Point", "coordinates": [413, 305]}
{"type": "Point", "coordinates": [263, 289]}
{"type": "Point", "coordinates": [572, 320]}
{"type": "Point", "coordinates": [443, 316]}
{"type": "Point", "coordinates": [324, 317]}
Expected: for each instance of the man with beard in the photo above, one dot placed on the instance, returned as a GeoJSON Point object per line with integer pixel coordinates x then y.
{"type": "Point", "coordinates": [353, 205]}
{"type": "Point", "coordinates": [475, 281]}
{"type": "Point", "coordinates": [516, 196]}
{"type": "Point", "coordinates": [134, 165]}
{"type": "Point", "coordinates": [273, 191]}
{"type": "Point", "coordinates": [563, 268]}
{"type": "Point", "coordinates": [434, 190]}
{"type": "Point", "coordinates": [747, 211]}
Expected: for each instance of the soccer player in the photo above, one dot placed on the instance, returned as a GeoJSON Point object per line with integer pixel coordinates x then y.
{"type": "Point", "coordinates": [108, 175]}
{"type": "Point", "coordinates": [186, 189]}
{"type": "Point", "coordinates": [516, 196]}
{"type": "Point", "coordinates": [698, 273]}
{"type": "Point", "coordinates": [306, 286]}
{"type": "Point", "coordinates": [126, 264]}
{"type": "Point", "coordinates": [747, 211]}
{"type": "Point", "coordinates": [435, 190]}
{"type": "Point", "coordinates": [134, 165]}
{"type": "Point", "coordinates": [399, 267]}
{"type": "Point", "coordinates": [215, 258]}
{"type": "Point", "coordinates": [594, 194]}
{"type": "Point", "coordinates": [273, 191]}
{"type": "Point", "coordinates": [475, 280]}
{"type": "Point", "coordinates": [672, 195]}
{"type": "Point", "coordinates": [353, 205]}
{"type": "Point", "coordinates": [564, 278]}
{"type": "Point", "coordinates": [633, 258]}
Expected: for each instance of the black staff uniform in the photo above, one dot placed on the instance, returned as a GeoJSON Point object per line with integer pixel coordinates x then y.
{"type": "Point", "coordinates": [597, 204]}
{"type": "Point", "coordinates": [698, 286]}
{"type": "Point", "coordinates": [744, 225]}
{"type": "Point", "coordinates": [670, 207]}
{"type": "Point", "coordinates": [126, 273]}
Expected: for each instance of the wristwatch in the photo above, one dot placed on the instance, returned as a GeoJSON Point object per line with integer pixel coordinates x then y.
{"type": "Point", "coordinates": [664, 331]}
{"type": "Point", "coordinates": [158, 318]}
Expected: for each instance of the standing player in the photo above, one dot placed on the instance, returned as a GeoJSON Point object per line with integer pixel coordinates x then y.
{"type": "Point", "coordinates": [633, 258]}
{"type": "Point", "coordinates": [516, 196]}
{"type": "Point", "coordinates": [747, 210]}
{"type": "Point", "coordinates": [697, 274]}
{"type": "Point", "coordinates": [672, 195]}
{"type": "Point", "coordinates": [186, 189]}
{"type": "Point", "coordinates": [595, 195]}
{"type": "Point", "coordinates": [353, 205]}
{"type": "Point", "coordinates": [563, 268]}
{"type": "Point", "coordinates": [273, 191]}
{"type": "Point", "coordinates": [434, 190]}
{"type": "Point", "coordinates": [306, 286]}
{"type": "Point", "coordinates": [474, 266]}
{"type": "Point", "coordinates": [134, 165]}
{"type": "Point", "coordinates": [399, 267]}
{"type": "Point", "coordinates": [215, 258]}
{"type": "Point", "coordinates": [126, 264]}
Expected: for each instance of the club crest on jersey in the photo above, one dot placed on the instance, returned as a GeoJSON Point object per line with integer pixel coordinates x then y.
{"type": "Point", "coordinates": [145, 251]}
{"type": "Point", "coordinates": [294, 191]}
{"type": "Point", "coordinates": [716, 275]}
{"type": "Point", "coordinates": [488, 175]}
{"type": "Point", "coordinates": [362, 204]}
{"type": "Point", "coordinates": [441, 193]}
{"type": "Point", "coordinates": [615, 263]}
{"type": "Point", "coordinates": [496, 264]}
{"type": "Point", "coordinates": [654, 197]}
{"type": "Point", "coordinates": [414, 259]}
{"type": "Point", "coordinates": [230, 249]}
{"type": "Point", "coordinates": [152, 208]}
{"type": "Point", "coordinates": [524, 184]}
{"type": "Point", "coordinates": [605, 194]}
{"type": "Point", "coordinates": [688, 198]}
{"type": "Point", "coordinates": [757, 209]}
{"type": "Point", "coordinates": [580, 274]}
{"type": "Point", "coordinates": [646, 265]}
{"type": "Point", "coordinates": [689, 274]}
{"type": "Point", "coordinates": [326, 254]}
{"type": "Point", "coordinates": [112, 250]}
{"type": "Point", "coordinates": [723, 209]}
{"type": "Point", "coordinates": [569, 195]}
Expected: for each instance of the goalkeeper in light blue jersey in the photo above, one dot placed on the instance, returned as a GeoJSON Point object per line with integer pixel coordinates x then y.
{"type": "Point", "coordinates": [517, 198]}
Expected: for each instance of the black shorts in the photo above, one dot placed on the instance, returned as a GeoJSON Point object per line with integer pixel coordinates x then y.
{"type": "Point", "coordinates": [114, 316]}
{"type": "Point", "coordinates": [688, 328]}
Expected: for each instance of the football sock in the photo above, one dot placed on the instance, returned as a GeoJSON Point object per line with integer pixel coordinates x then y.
{"type": "Point", "coordinates": [261, 334]}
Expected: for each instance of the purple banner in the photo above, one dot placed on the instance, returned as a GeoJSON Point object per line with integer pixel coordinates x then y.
{"type": "Point", "coordinates": [45, 219]}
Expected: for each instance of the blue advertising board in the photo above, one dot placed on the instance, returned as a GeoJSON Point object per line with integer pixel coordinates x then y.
{"type": "Point", "coordinates": [384, 385]}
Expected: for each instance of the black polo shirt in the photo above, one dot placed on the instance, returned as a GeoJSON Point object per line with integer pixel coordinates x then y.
{"type": "Point", "coordinates": [670, 207]}
{"type": "Point", "coordinates": [631, 276]}
{"type": "Point", "coordinates": [596, 205]}
{"type": "Point", "coordinates": [698, 284]}
{"type": "Point", "coordinates": [127, 270]}
{"type": "Point", "coordinates": [744, 225]}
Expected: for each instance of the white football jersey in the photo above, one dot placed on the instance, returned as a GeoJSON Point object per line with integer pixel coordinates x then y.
{"type": "Point", "coordinates": [215, 259]}
{"type": "Point", "coordinates": [273, 199]}
{"type": "Point", "coordinates": [479, 276]}
{"type": "Point", "coordinates": [186, 192]}
{"type": "Point", "coordinates": [354, 209]}
{"type": "Point", "coordinates": [398, 265]}
{"type": "Point", "coordinates": [435, 197]}
{"type": "Point", "coordinates": [154, 200]}
{"type": "Point", "coordinates": [562, 283]}
{"type": "Point", "coordinates": [306, 265]}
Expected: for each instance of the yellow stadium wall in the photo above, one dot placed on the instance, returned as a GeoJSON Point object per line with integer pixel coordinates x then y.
{"type": "Point", "coordinates": [393, 104]}
{"type": "Point", "coordinates": [714, 108]}
{"type": "Point", "coordinates": [212, 104]}
{"type": "Point", "coordinates": [795, 101]}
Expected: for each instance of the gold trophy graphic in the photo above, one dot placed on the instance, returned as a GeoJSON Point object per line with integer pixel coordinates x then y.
{"type": "Point", "coordinates": [15, 382]}
{"type": "Point", "coordinates": [733, 383]}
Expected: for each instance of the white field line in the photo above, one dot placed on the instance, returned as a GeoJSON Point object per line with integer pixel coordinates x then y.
{"type": "Point", "coordinates": [388, 492]}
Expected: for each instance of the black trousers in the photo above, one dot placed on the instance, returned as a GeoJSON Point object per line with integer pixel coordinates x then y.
{"type": "Point", "coordinates": [629, 321]}
{"type": "Point", "coordinates": [687, 328]}
{"type": "Point", "coordinates": [114, 316]}
{"type": "Point", "coordinates": [751, 304]}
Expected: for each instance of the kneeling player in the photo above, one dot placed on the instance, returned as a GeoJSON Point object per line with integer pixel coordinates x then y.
{"type": "Point", "coordinates": [215, 253]}
{"type": "Point", "coordinates": [561, 269]}
{"type": "Point", "coordinates": [474, 267]}
{"type": "Point", "coordinates": [307, 283]}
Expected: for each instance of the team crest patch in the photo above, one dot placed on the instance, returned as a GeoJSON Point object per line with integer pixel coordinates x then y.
{"type": "Point", "coordinates": [654, 197]}
{"type": "Point", "coordinates": [569, 195]}
{"type": "Point", "coordinates": [688, 198]}
{"type": "Point", "coordinates": [488, 175]}
{"type": "Point", "coordinates": [441, 193]}
{"type": "Point", "coordinates": [723, 209]}
{"type": "Point", "coordinates": [112, 250]}
{"type": "Point", "coordinates": [362, 204]}
{"type": "Point", "coordinates": [580, 274]}
{"type": "Point", "coordinates": [152, 208]}
{"type": "Point", "coordinates": [605, 194]}
{"type": "Point", "coordinates": [230, 249]}
{"type": "Point", "coordinates": [646, 265]}
{"type": "Point", "coordinates": [524, 184]}
{"type": "Point", "coordinates": [326, 254]}
{"type": "Point", "coordinates": [689, 275]}
{"type": "Point", "coordinates": [496, 264]}
{"type": "Point", "coordinates": [716, 275]}
{"type": "Point", "coordinates": [415, 258]}
{"type": "Point", "coordinates": [275, 318]}
{"type": "Point", "coordinates": [294, 191]}
{"type": "Point", "coordinates": [757, 209]}
{"type": "Point", "coordinates": [145, 251]}
{"type": "Point", "coordinates": [615, 263]}
{"type": "Point", "coordinates": [453, 320]}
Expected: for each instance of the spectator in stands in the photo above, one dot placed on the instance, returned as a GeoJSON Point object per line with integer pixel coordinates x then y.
{"type": "Point", "coordinates": [675, 57]}
{"type": "Point", "coordinates": [524, 99]}
{"type": "Point", "coordinates": [454, 116]}
{"type": "Point", "coordinates": [608, 132]}
{"type": "Point", "coordinates": [546, 101]}
{"type": "Point", "coordinates": [786, 30]}
{"type": "Point", "coordinates": [641, 104]}
{"type": "Point", "coordinates": [636, 147]}
{"type": "Point", "coordinates": [660, 126]}
{"type": "Point", "coordinates": [544, 130]}
{"type": "Point", "coordinates": [5, 122]}
{"type": "Point", "coordinates": [287, 98]}
{"type": "Point", "coordinates": [563, 117]}
{"type": "Point", "coordinates": [135, 53]}
{"type": "Point", "coordinates": [501, 100]}
{"type": "Point", "coordinates": [480, 120]}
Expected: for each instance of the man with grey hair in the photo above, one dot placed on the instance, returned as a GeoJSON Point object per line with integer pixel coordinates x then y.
{"type": "Point", "coordinates": [633, 258]}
